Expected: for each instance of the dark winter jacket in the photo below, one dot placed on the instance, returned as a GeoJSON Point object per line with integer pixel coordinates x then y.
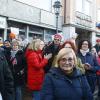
{"type": "Point", "coordinates": [59, 86]}
{"type": "Point", "coordinates": [7, 53]}
{"type": "Point", "coordinates": [53, 49]}
{"type": "Point", "coordinates": [18, 67]}
{"type": "Point", "coordinates": [89, 58]}
{"type": "Point", "coordinates": [6, 80]}
{"type": "Point", "coordinates": [97, 47]}
{"type": "Point", "coordinates": [91, 73]}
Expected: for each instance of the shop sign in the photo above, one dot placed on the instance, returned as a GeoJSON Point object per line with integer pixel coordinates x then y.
{"type": "Point", "coordinates": [2, 22]}
{"type": "Point", "coordinates": [83, 20]}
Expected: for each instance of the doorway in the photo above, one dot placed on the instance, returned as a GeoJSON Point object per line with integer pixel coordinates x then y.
{"type": "Point", "coordinates": [83, 34]}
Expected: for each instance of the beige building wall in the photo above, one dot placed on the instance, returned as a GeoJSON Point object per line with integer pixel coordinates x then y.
{"type": "Point", "coordinates": [68, 18]}
{"type": "Point", "coordinates": [98, 10]}
{"type": "Point", "coordinates": [98, 15]}
{"type": "Point", "coordinates": [68, 11]}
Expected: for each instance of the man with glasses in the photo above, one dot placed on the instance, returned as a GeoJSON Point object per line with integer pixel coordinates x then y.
{"type": "Point", "coordinates": [53, 48]}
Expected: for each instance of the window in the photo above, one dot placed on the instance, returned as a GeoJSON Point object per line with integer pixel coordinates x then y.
{"type": "Point", "coordinates": [83, 6]}
{"type": "Point", "coordinates": [98, 15]}
{"type": "Point", "coordinates": [79, 5]}
{"type": "Point", "coordinates": [87, 7]}
{"type": "Point", "coordinates": [90, 0]}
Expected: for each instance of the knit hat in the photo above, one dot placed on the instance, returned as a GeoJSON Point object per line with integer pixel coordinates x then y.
{"type": "Point", "coordinates": [12, 36]}
{"type": "Point", "coordinates": [57, 36]}
{"type": "Point", "coordinates": [98, 40]}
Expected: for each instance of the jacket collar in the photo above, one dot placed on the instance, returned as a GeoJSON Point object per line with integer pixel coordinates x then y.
{"type": "Point", "coordinates": [58, 73]}
{"type": "Point", "coordinates": [88, 53]}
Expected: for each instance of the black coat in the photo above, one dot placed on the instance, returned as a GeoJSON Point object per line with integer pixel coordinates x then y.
{"type": "Point", "coordinates": [53, 49]}
{"type": "Point", "coordinates": [6, 80]}
{"type": "Point", "coordinates": [18, 68]}
{"type": "Point", "coordinates": [7, 53]}
{"type": "Point", "coordinates": [97, 47]}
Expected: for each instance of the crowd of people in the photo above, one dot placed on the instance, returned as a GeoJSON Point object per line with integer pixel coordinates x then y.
{"type": "Point", "coordinates": [51, 71]}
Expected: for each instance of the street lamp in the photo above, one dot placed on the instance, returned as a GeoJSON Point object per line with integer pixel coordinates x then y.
{"type": "Point", "coordinates": [57, 5]}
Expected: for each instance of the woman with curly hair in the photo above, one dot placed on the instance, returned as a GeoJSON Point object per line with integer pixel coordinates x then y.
{"type": "Point", "coordinates": [89, 61]}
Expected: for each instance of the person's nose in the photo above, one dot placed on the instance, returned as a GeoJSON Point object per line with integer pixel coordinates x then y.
{"type": "Point", "coordinates": [67, 62]}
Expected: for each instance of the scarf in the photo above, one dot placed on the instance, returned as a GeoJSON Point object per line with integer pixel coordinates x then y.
{"type": "Point", "coordinates": [13, 53]}
{"type": "Point", "coordinates": [83, 52]}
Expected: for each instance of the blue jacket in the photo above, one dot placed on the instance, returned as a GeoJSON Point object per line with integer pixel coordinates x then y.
{"type": "Point", "coordinates": [91, 73]}
{"type": "Point", "coordinates": [59, 86]}
{"type": "Point", "coordinates": [89, 59]}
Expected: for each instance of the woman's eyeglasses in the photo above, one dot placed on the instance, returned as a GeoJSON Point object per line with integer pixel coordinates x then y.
{"type": "Point", "coordinates": [66, 59]}
{"type": "Point", "coordinates": [15, 45]}
{"type": "Point", "coordinates": [84, 43]}
{"type": "Point", "coordinates": [57, 39]}
{"type": "Point", "coordinates": [67, 47]}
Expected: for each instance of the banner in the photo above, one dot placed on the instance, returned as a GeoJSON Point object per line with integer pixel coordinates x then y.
{"type": "Point", "coordinates": [15, 30]}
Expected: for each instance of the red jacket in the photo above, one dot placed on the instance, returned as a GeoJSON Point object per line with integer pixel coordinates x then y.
{"type": "Point", "coordinates": [98, 60]}
{"type": "Point", "coordinates": [35, 64]}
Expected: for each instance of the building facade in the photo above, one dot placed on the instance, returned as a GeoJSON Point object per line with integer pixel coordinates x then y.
{"type": "Point", "coordinates": [80, 17]}
{"type": "Point", "coordinates": [27, 19]}
{"type": "Point", "coordinates": [35, 18]}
